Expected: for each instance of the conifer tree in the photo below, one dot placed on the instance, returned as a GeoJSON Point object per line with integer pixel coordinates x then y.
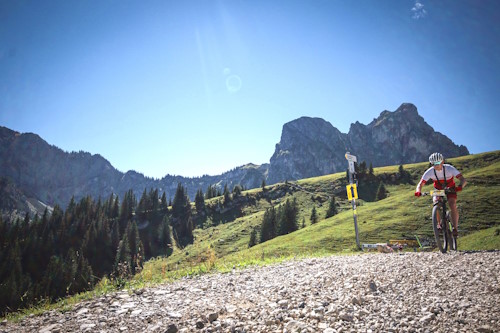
{"type": "Point", "coordinates": [332, 208]}
{"type": "Point", "coordinates": [227, 196]}
{"type": "Point", "coordinates": [269, 225]}
{"type": "Point", "coordinates": [314, 215]}
{"type": "Point", "coordinates": [370, 170]}
{"type": "Point", "coordinates": [136, 248]}
{"type": "Point", "coordinates": [164, 238]}
{"type": "Point", "coordinates": [163, 203]}
{"type": "Point", "coordinates": [115, 211]}
{"type": "Point", "coordinates": [288, 220]}
{"type": "Point", "coordinates": [181, 214]}
{"type": "Point", "coordinates": [199, 202]}
{"type": "Point", "coordinates": [362, 169]}
{"type": "Point", "coordinates": [123, 266]}
{"type": "Point", "coordinates": [237, 190]}
{"type": "Point", "coordinates": [381, 192]}
{"type": "Point", "coordinates": [253, 238]}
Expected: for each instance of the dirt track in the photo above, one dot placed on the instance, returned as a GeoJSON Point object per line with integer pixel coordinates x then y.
{"type": "Point", "coordinates": [362, 293]}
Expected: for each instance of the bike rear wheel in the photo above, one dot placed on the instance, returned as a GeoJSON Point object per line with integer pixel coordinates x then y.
{"type": "Point", "coordinates": [439, 234]}
{"type": "Point", "coordinates": [449, 230]}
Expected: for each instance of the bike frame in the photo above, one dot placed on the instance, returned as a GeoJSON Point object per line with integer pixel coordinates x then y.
{"type": "Point", "coordinates": [444, 219]}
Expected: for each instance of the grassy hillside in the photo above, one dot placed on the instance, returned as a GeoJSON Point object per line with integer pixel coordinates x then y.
{"type": "Point", "coordinates": [401, 215]}
{"type": "Point", "coordinates": [223, 243]}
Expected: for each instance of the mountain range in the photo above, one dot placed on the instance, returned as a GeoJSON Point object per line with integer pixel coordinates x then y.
{"type": "Point", "coordinates": [35, 174]}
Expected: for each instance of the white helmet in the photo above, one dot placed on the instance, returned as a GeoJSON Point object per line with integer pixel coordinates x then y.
{"type": "Point", "coordinates": [436, 158]}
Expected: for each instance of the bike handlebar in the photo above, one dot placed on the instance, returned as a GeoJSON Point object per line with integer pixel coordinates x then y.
{"type": "Point", "coordinates": [447, 190]}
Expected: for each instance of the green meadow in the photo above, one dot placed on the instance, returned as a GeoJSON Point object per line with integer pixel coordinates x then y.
{"type": "Point", "coordinates": [223, 245]}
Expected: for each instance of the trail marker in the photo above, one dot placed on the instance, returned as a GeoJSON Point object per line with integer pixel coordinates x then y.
{"type": "Point", "coordinates": [352, 192]}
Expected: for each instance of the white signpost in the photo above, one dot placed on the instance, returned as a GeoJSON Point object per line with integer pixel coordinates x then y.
{"type": "Point", "coordinates": [352, 192]}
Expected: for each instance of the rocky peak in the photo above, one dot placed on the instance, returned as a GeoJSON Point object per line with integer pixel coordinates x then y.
{"type": "Point", "coordinates": [300, 153]}
{"type": "Point", "coordinates": [312, 146]}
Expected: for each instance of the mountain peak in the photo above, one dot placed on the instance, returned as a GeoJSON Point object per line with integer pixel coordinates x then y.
{"type": "Point", "coordinates": [312, 147]}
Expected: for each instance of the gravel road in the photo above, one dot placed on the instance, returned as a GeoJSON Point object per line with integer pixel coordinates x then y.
{"type": "Point", "coordinates": [397, 292]}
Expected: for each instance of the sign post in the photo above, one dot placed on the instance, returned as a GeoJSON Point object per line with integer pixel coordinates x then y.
{"type": "Point", "coordinates": [352, 192]}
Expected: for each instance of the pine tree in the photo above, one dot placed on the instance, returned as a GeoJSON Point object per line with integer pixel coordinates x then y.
{"type": "Point", "coordinates": [237, 191]}
{"type": "Point", "coordinates": [381, 192]}
{"type": "Point", "coordinates": [370, 170]}
{"type": "Point", "coordinates": [136, 248]}
{"type": "Point", "coordinates": [362, 169]}
{"type": "Point", "coordinates": [332, 208]}
{"type": "Point", "coordinates": [253, 238]}
{"type": "Point", "coordinates": [314, 216]}
{"type": "Point", "coordinates": [199, 202]}
{"type": "Point", "coordinates": [227, 195]}
{"type": "Point", "coordinates": [123, 267]}
{"type": "Point", "coordinates": [288, 219]}
{"type": "Point", "coordinates": [181, 214]}
{"type": "Point", "coordinates": [115, 211]}
{"type": "Point", "coordinates": [269, 225]}
{"type": "Point", "coordinates": [263, 185]}
{"type": "Point", "coordinates": [163, 203]}
{"type": "Point", "coordinates": [164, 238]}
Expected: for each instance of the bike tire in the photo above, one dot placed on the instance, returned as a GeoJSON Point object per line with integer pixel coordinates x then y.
{"type": "Point", "coordinates": [439, 235]}
{"type": "Point", "coordinates": [452, 239]}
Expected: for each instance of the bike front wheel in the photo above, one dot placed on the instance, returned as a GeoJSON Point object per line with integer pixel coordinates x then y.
{"type": "Point", "coordinates": [452, 239]}
{"type": "Point", "coordinates": [439, 233]}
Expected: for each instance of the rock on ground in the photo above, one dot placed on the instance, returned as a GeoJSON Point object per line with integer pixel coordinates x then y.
{"type": "Point", "coordinates": [408, 292]}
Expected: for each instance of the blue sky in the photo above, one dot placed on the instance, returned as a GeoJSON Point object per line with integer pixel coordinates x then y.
{"type": "Point", "coordinates": [200, 87]}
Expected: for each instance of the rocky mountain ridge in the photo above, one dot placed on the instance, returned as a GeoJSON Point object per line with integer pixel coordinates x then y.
{"type": "Point", "coordinates": [308, 147]}
{"type": "Point", "coordinates": [311, 147]}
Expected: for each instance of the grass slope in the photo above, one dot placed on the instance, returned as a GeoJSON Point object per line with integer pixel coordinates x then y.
{"type": "Point", "coordinates": [401, 215]}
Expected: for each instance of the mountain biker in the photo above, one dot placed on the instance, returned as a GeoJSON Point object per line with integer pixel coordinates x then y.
{"type": "Point", "coordinates": [442, 175]}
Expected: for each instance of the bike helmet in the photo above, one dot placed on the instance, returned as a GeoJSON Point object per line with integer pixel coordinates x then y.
{"type": "Point", "coordinates": [436, 158]}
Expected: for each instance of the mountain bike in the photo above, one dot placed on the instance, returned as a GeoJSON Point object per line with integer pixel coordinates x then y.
{"type": "Point", "coordinates": [441, 221]}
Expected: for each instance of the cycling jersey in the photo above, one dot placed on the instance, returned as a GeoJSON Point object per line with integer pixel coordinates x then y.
{"type": "Point", "coordinates": [449, 170]}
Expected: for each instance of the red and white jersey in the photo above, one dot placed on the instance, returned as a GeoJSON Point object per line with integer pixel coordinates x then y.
{"type": "Point", "coordinates": [447, 169]}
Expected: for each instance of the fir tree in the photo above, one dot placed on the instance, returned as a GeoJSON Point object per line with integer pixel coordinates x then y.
{"type": "Point", "coordinates": [332, 208]}
{"type": "Point", "coordinates": [237, 191]}
{"type": "Point", "coordinates": [381, 192]}
{"type": "Point", "coordinates": [163, 202]}
{"type": "Point", "coordinates": [288, 218]}
{"type": "Point", "coordinates": [253, 238]}
{"type": "Point", "coordinates": [269, 225]}
{"type": "Point", "coordinates": [314, 215]}
{"type": "Point", "coordinates": [227, 195]}
{"type": "Point", "coordinates": [123, 266]}
{"type": "Point", "coordinates": [136, 248]}
{"type": "Point", "coordinates": [362, 169]}
{"type": "Point", "coordinates": [370, 169]}
{"type": "Point", "coordinates": [199, 202]}
{"type": "Point", "coordinates": [181, 214]}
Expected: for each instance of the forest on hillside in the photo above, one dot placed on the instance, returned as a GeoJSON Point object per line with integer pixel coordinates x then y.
{"type": "Point", "coordinates": [64, 252]}
{"type": "Point", "coordinates": [68, 251]}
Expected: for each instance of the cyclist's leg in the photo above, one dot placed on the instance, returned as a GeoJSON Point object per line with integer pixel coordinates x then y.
{"type": "Point", "coordinates": [438, 212]}
{"type": "Point", "coordinates": [452, 201]}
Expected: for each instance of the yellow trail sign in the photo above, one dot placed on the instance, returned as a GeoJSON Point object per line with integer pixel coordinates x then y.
{"type": "Point", "coordinates": [352, 191]}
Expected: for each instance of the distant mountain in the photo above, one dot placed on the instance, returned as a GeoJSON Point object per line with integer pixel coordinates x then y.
{"type": "Point", "coordinates": [44, 174]}
{"type": "Point", "coordinates": [312, 146]}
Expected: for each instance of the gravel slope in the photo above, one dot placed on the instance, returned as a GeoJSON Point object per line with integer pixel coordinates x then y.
{"type": "Point", "coordinates": [409, 292]}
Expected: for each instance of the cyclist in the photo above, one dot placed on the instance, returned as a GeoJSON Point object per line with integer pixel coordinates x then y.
{"type": "Point", "coordinates": [442, 175]}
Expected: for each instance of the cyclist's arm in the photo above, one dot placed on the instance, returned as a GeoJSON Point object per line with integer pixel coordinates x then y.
{"type": "Point", "coordinates": [419, 186]}
{"type": "Point", "coordinates": [462, 179]}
